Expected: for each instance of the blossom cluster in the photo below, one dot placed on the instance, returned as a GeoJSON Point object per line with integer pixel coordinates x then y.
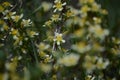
{"type": "Point", "coordinates": [71, 44]}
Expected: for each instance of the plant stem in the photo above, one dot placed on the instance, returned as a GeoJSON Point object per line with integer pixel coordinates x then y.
{"type": "Point", "coordinates": [35, 54]}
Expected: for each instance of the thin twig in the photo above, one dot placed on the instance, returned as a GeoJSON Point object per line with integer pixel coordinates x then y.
{"type": "Point", "coordinates": [53, 49]}
{"type": "Point", "coordinates": [13, 7]}
{"type": "Point", "coordinates": [35, 54]}
{"type": "Point", "coordinates": [21, 2]}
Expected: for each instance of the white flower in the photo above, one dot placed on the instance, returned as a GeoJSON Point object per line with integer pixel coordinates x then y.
{"type": "Point", "coordinates": [55, 17]}
{"type": "Point", "coordinates": [58, 5]}
{"type": "Point", "coordinates": [46, 6]}
{"type": "Point", "coordinates": [45, 67]}
{"type": "Point", "coordinates": [32, 33]}
{"type": "Point", "coordinates": [58, 38]}
{"type": "Point", "coordinates": [98, 31]}
{"type": "Point", "coordinates": [15, 37]}
{"type": "Point", "coordinates": [5, 12]}
{"type": "Point", "coordinates": [26, 22]}
{"type": "Point", "coordinates": [102, 64]}
{"type": "Point", "coordinates": [42, 46]}
{"type": "Point", "coordinates": [89, 63]}
{"type": "Point", "coordinates": [8, 14]}
{"type": "Point", "coordinates": [81, 47]}
{"type": "Point", "coordinates": [89, 77]}
{"type": "Point", "coordinates": [16, 18]}
{"type": "Point", "coordinates": [19, 57]}
{"type": "Point", "coordinates": [69, 60]}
